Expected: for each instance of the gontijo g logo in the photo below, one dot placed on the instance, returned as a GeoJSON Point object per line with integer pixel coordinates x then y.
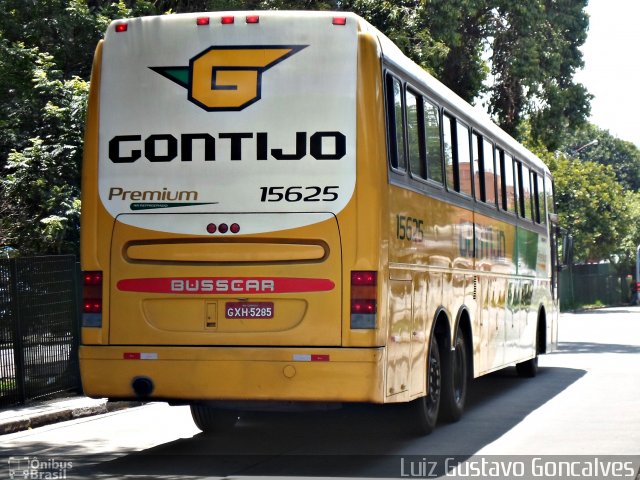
{"type": "Point", "coordinates": [227, 78]}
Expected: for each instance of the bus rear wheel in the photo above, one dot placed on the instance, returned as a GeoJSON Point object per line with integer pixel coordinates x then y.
{"type": "Point", "coordinates": [424, 410]}
{"type": "Point", "coordinates": [213, 420]}
{"type": "Point", "coordinates": [455, 381]}
{"type": "Point", "coordinates": [529, 368]}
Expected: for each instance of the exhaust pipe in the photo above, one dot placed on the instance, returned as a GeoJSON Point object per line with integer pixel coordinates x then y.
{"type": "Point", "coordinates": [142, 386]}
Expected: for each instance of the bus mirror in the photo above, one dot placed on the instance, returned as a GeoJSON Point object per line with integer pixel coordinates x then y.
{"type": "Point", "coordinates": [567, 250]}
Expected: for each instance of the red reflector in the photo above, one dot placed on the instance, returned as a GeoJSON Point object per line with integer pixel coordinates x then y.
{"type": "Point", "coordinates": [363, 306]}
{"type": "Point", "coordinates": [369, 278]}
{"type": "Point", "coordinates": [92, 305]}
{"type": "Point", "coordinates": [227, 20]}
{"type": "Point", "coordinates": [211, 228]}
{"type": "Point", "coordinates": [339, 20]}
{"type": "Point", "coordinates": [223, 228]}
{"type": "Point", "coordinates": [131, 355]}
{"type": "Point", "coordinates": [253, 19]}
{"type": "Point", "coordinates": [319, 358]}
{"type": "Point", "coordinates": [202, 21]}
{"type": "Point", "coordinates": [92, 278]}
{"type": "Point", "coordinates": [235, 228]}
{"type": "Point", "coordinates": [121, 27]}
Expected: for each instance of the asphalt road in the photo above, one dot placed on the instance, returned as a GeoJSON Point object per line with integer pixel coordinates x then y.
{"type": "Point", "coordinates": [585, 401]}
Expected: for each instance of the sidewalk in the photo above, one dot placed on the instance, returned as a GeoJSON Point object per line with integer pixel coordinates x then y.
{"type": "Point", "coordinates": [58, 410]}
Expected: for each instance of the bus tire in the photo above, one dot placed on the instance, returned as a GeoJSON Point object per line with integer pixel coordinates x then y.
{"type": "Point", "coordinates": [455, 381]}
{"type": "Point", "coordinates": [213, 420]}
{"type": "Point", "coordinates": [528, 368]}
{"type": "Point", "coordinates": [423, 411]}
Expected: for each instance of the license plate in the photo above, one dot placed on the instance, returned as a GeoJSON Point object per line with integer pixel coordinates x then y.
{"type": "Point", "coordinates": [248, 310]}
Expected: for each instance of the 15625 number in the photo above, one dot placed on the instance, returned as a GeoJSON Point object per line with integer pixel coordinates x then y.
{"type": "Point", "coordinates": [409, 228]}
{"type": "Point", "coordinates": [299, 194]}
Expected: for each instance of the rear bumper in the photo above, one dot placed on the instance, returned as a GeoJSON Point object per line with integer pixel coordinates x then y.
{"type": "Point", "coordinates": [236, 373]}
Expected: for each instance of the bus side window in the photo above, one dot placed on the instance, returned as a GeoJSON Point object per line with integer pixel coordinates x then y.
{"type": "Point", "coordinates": [518, 173]}
{"type": "Point", "coordinates": [541, 217]}
{"type": "Point", "coordinates": [524, 190]}
{"type": "Point", "coordinates": [501, 180]}
{"type": "Point", "coordinates": [489, 171]}
{"type": "Point", "coordinates": [464, 159]}
{"type": "Point", "coordinates": [415, 135]}
{"type": "Point", "coordinates": [535, 197]}
{"type": "Point", "coordinates": [510, 190]}
{"type": "Point", "coordinates": [528, 198]}
{"type": "Point", "coordinates": [433, 144]}
{"type": "Point", "coordinates": [395, 123]}
{"type": "Point", "coordinates": [447, 141]}
{"type": "Point", "coordinates": [478, 176]}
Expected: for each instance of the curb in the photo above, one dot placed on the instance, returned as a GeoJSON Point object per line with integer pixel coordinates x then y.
{"type": "Point", "coordinates": [26, 422]}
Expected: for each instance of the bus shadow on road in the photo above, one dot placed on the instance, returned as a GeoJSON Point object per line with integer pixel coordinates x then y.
{"type": "Point", "coordinates": [357, 440]}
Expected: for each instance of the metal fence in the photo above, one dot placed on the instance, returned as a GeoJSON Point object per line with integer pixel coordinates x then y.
{"type": "Point", "coordinates": [39, 330]}
{"type": "Point", "coordinates": [593, 284]}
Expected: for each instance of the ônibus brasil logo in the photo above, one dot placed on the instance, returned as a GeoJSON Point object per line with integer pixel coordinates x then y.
{"type": "Point", "coordinates": [227, 78]}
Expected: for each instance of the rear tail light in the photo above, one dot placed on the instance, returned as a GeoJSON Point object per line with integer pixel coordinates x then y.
{"type": "Point", "coordinates": [92, 305]}
{"type": "Point", "coordinates": [92, 299]}
{"type": "Point", "coordinates": [339, 20]}
{"type": "Point", "coordinates": [253, 19]}
{"type": "Point", "coordinates": [227, 20]}
{"type": "Point", "coordinates": [121, 27]}
{"type": "Point", "coordinates": [364, 299]}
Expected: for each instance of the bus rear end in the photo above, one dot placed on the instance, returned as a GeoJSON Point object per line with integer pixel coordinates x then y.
{"type": "Point", "coordinates": [219, 210]}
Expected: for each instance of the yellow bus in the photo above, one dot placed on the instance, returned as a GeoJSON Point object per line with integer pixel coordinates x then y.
{"type": "Point", "coordinates": [281, 209]}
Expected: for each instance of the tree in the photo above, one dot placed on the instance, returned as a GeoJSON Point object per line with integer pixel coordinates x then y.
{"type": "Point", "coordinates": [42, 107]}
{"type": "Point", "coordinates": [591, 205]}
{"type": "Point", "coordinates": [460, 36]}
{"type": "Point", "coordinates": [604, 148]}
{"type": "Point", "coordinates": [39, 197]}
{"type": "Point", "coordinates": [18, 103]}
{"type": "Point", "coordinates": [535, 53]}
{"type": "Point", "coordinates": [630, 242]}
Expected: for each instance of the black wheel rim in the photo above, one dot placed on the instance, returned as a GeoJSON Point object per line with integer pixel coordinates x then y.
{"type": "Point", "coordinates": [434, 382]}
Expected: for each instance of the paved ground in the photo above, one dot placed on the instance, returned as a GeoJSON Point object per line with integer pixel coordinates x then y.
{"type": "Point", "coordinates": [585, 401]}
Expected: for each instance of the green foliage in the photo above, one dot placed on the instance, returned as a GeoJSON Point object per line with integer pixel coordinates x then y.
{"type": "Point", "coordinates": [39, 198]}
{"type": "Point", "coordinates": [623, 156]}
{"type": "Point", "coordinates": [17, 102]}
{"type": "Point", "coordinates": [596, 194]}
{"type": "Point", "coordinates": [43, 45]}
{"type": "Point", "coordinates": [459, 32]}
{"type": "Point", "coordinates": [535, 54]}
{"type": "Point", "coordinates": [591, 206]}
{"type": "Point", "coordinates": [68, 30]}
{"type": "Point", "coordinates": [630, 242]}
